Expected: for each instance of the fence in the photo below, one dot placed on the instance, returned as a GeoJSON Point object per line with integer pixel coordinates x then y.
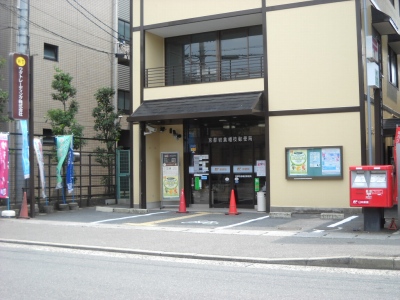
{"type": "Point", "coordinates": [210, 71]}
{"type": "Point", "coordinates": [92, 181]}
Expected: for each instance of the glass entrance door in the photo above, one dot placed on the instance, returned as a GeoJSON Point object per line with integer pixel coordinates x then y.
{"type": "Point", "coordinates": [242, 160]}
{"type": "Point", "coordinates": [221, 178]}
{"type": "Point", "coordinates": [232, 169]}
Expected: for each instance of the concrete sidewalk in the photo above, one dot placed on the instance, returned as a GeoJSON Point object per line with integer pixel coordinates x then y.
{"type": "Point", "coordinates": [373, 251]}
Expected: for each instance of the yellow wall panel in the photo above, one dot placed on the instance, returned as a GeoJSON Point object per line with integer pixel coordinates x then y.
{"type": "Point", "coordinates": [135, 6]}
{"type": "Point", "coordinates": [157, 11]}
{"type": "Point", "coordinates": [136, 71]}
{"type": "Point", "coordinates": [227, 87]}
{"type": "Point", "coordinates": [312, 57]}
{"type": "Point", "coordinates": [156, 143]}
{"type": "Point", "coordinates": [313, 131]}
{"type": "Point", "coordinates": [154, 51]}
{"type": "Point", "coordinates": [136, 164]}
{"type": "Point", "coordinates": [152, 167]}
{"type": "Point", "coordinates": [282, 2]}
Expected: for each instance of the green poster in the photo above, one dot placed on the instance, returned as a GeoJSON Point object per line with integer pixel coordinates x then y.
{"type": "Point", "coordinates": [197, 183]}
{"type": "Point", "coordinates": [256, 184]}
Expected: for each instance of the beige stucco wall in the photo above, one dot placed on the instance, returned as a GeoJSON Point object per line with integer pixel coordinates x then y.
{"type": "Point", "coordinates": [135, 103]}
{"type": "Point", "coordinates": [282, 2]}
{"type": "Point", "coordinates": [155, 57]}
{"type": "Point", "coordinates": [135, 10]}
{"type": "Point", "coordinates": [313, 131]}
{"type": "Point", "coordinates": [173, 10]}
{"type": "Point", "coordinates": [227, 87]}
{"type": "Point", "coordinates": [155, 144]}
{"type": "Point", "coordinates": [317, 60]}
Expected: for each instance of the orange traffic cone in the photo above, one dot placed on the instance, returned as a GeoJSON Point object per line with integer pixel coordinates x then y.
{"type": "Point", "coordinates": [23, 213]}
{"type": "Point", "coordinates": [392, 225]}
{"type": "Point", "coordinates": [182, 203]}
{"type": "Point", "coordinates": [232, 205]}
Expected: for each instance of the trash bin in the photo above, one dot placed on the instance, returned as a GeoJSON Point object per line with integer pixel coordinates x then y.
{"type": "Point", "coordinates": [261, 201]}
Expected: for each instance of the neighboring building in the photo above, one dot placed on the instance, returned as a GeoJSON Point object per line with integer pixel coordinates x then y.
{"type": "Point", "coordinates": [275, 83]}
{"type": "Point", "coordinates": [81, 38]}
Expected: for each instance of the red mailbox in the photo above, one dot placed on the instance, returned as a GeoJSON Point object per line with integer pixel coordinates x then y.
{"type": "Point", "coordinates": [371, 186]}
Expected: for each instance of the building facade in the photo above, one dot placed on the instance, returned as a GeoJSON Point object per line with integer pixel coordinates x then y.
{"type": "Point", "coordinates": [90, 40]}
{"type": "Point", "coordinates": [245, 95]}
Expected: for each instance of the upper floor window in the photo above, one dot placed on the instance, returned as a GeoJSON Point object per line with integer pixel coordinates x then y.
{"type": "Point", "coordinates": [211, 56]}
{"type": "Point", "coordinates": [124, 30]}
{"type": "Point", "coordinates": [124, 101]}
{"type": "Point", "coordinates": [392, 67]}
{"type": "Point", "coordinates": [50, 52]}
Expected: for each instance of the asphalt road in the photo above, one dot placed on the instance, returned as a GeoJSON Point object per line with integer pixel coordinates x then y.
{"type": "Point", "coordinates": [249, 237]}
{"type": "Point", "coordinates": [32, 272]}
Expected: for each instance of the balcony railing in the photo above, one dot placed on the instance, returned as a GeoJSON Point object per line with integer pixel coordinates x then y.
{"type": "Point", "coordinates": [192, 73]}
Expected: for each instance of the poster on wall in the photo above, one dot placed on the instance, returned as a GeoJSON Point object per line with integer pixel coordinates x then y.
{"type": "Point", "coordinates": [314, 162]}
{"type": "Point", "coordinates": [297, 162]}
{"type": "Point", "coordinates": [261, 167]}
{"type": "Point", "coordinates": [170, 175]}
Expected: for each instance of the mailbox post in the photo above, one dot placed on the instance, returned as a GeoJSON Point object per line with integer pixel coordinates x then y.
{"type": "Point", "coordinates": [372, 188]}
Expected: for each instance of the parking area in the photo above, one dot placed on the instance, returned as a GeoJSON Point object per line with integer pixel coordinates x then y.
{"type": "Point", "coordinates": [214, 220]}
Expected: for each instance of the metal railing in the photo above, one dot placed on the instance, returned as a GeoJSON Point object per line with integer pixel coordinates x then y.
{"type": "Point", "coordinates": [192, 73]}
{"type": "Point", "coordinates": [92, 181]}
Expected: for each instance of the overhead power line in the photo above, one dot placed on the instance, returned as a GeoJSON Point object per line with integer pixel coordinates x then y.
{"type": "Point", "coordinates": [52, 32]}
{"type": "Point", "coordinates": [92, 20]}
{"type": "Point", "coordinates": [68, 24]}
{"type": "Point", "coordinates": [96, 17]}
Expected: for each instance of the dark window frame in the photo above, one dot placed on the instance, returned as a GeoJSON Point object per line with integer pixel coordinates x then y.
{"type": "Point", "coordinates": [126, 102]}
{"type": "Point", "coordinates": [49, 48]}
{"type": "Point", "coordinates": [393, 71]}
{"type": "Point", "coordinates": [126, 28]}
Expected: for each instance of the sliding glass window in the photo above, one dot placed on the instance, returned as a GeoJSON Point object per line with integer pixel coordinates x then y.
{"type": "Point", "coordinates": [234, 54]}
{"type": "Point", "coordinates": [177, 51]}
{"type": "Point", "coordinates": [203, 57]}
{"type": "Point", "coordinates": [214, 56]}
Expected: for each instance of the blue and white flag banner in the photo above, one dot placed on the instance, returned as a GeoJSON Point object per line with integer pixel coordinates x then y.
{"type": "Point", "coordinates": [38, 146]}
{"type": "Point", "coordinates": [63, 143]}
{"type": "Point", "coordinates": [70, 168]}
{"type": "Point", "coordinates": [25, 148]}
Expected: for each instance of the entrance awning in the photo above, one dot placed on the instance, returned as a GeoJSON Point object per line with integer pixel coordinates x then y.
{"type": "Point", "coordinates": [383, 23]}
{"type": "Point", "coordinates": [199, 107]}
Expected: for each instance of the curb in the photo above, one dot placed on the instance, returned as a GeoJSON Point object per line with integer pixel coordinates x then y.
{"type": "Point", "coordinates": [121, 210]}
{"type": "Point", "coordinates": [361, 262]}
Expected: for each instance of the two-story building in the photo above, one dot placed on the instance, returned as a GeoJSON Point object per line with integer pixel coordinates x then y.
{"type": "Point", "coordinates": [245, 95]}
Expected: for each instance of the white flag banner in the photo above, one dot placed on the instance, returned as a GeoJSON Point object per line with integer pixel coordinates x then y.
{"type": "Point", "coordinates": [38, 145]}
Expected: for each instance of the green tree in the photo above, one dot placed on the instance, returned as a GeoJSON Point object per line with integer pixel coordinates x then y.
{"type": "Point", "coordinates": [63, 121]}
{"type": "Point", "coordinates": [3, 98]}
{"type": "Point", "coordinates": [108, 130]}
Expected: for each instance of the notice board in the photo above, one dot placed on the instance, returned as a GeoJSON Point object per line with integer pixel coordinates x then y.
{"type": "Point", "coordinates": [314, 162]}
{"type": "Point", "coordinates": [170, 176]}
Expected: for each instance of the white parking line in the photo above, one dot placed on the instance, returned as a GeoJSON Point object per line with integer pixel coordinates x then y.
{"type": "Point", "coordinates": [136, 216]}
{"type": "Point", "coordinates": [238, 224]}
{"type": "Point", "coordinates": [343, 221]}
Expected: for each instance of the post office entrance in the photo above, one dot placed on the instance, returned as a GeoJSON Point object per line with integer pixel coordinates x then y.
{"type": "Point", "coordinates": [232, 170]}
{"type": "Point", "coordinates": [228, 156]}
